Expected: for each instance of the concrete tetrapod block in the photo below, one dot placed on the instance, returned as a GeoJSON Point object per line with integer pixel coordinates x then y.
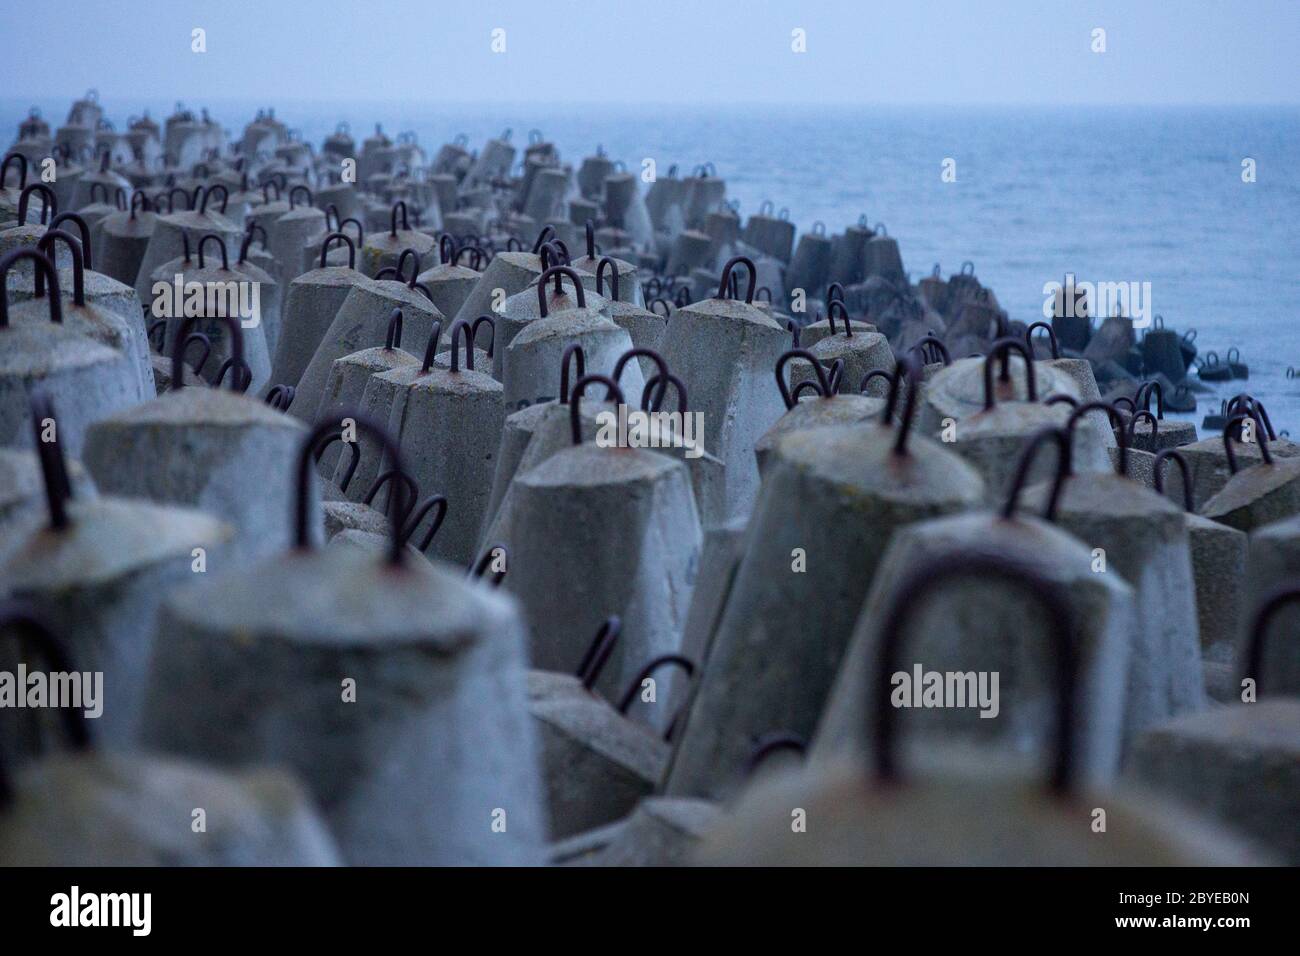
{"type": "Point", "coordinates": [1219, 556]}
{"type": "Point", "coordinates": [213, 449]}
{"type": "Point", "coordinates": [815, 412]}
{"type": "Point", "coordinates": [449, 287]}
{"type": "Point", "coordinates": [724, 546]}
{"type": "Point", "coordinates": [626, 209]}
{"type": "Point", "coordinates": [507, 274]}
{"type": "Point", "coordinates": [724, 350]}
{"type": "Point", "coordinates": [382, 248]}
{"type": "Point", "coordinates": [97, 323]}
{"type": "Point", "coordinates": [1274, 563]}
{"type": "Point", "coordinates": [1209, 464]}
{"type": "Point", "coordinates": [814, 332]}
{"type": "Point", "coordinates": [861, 353]}
{"type": "Point", "coordinates": [533, 355]}
{"type": "Point", "coordinates": [22, 494]}
{"type": "Point", "coordinates": [361, 320]}
{"type": "Point", "coordinates": [1080, 372]}
{"type": "Point", "coordinates": [1257, 495]}
{"type": "Point", "coordinates": [347, 385]}
{"type": "Point", "coordinates": [810, 268]}
{"type": "Point", "coordinates": [434, 748]}
{"type": "Point", "coordinates": [831, 497]}
{"type": "Point", "coordinates": [286, 236]}
{"type": "Point", "coordinates": [1239, 764]}
{"type": "Point", "coordinates": [536, 437]}
{"type": "Point", "coordinates": [992, 442]}
{"type": "Point", "coordinates": [1144, 538]}
{"type": "Point", "coordinates": [596, 532]}
{"type": "Point", "coordinates": [523, 308]}
{"type": "Point", "coordinates": [100, 581]}
{"type": "Point", "coordinates": [255, 349]}
{"type": "Point", "coordinates": [848, 254]}
{"type": "Point", "coordinates": [972, 813]}
{"type": "Point", "coordinates": [597, 764]}
{"type": "Point", "coordinates": [85, 380]}
{"type": "Point", "coordinates": [313, 301]}
{"type": "Point", "coordinates": [448, 425]}
{"type": "Point", "coordinates": [957, 390]}
{"type": "Point", "coordinates": [984, 626]}
{"type": "Point", "coordinates": [661, 831]}
{"type": "Point", "coordinates": [166, 244]}
{"type": "Point", "coordinates": [113, 809]}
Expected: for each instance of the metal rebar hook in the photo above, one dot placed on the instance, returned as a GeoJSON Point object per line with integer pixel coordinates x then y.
{"type": "Point", "coordinates": [925, 581]}
{"type": "Point", "coordinates": [597, 654]}
{"type": "Point", "coordinates": [322, 431]}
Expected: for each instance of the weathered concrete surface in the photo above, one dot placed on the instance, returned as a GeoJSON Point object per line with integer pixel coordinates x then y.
{"type": "Point", "coordinates": [136, 810]}
{"type": "Point", "coordinates": [1144, 538]}
{"type": "Point", "coordinates": [660, 831]}
{"type": "Point", "coordinates": [99, 582]}
{"type": "Point", "coordinates": [724, 351]}
{"type": "Point", "coordinates": [1239, 764]}
{"type": "Point", "coordinates": [970, 626]}
{"type": "Point", "coordinates": [597, 763]}
{"type": "Point", "coordinates": [601, 531]}
{"type": "Point", "coordinates": [213, 449]}
{"type": "Point", "coordinates": [1257, 495]}
{"type": "Point", "coordinates": [974, 814]}
{"type": "Point", "coordinates": [438, 738]}
{"type": "Point", "coordinates": [313, 301]}
{"type": "Point", "coordinates": [361, 321]}
{"type": "Point", "coordinates": [836, 495]}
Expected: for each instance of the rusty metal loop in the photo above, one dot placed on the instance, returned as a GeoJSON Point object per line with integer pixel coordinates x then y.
{"type": "Point", "coordinates": [83, 231]}
{"type": "Point", "coordinates": [421, 512]}
{"type": "Point", "coordinates": [221, 244]}
{"type": "Point", "coordinates": [557, 272]}
{"type": "Point", "coordinates": [457, 327]}
{"type": "Point", "coordinates": [598, 652]}
{"type": "Point", "coordinates": [909, 367]}
{"type": "Point", "coordinates": [207, 194]}
{"type": "Point", "coordinates": [324, 247]}
{"type": "Point", "coordinates": [485, 562]}
{"type": "Point", "coordinates": [1138, 416]}
{"type": "Point", "coordinates": [546, 233]}
{"type": "Point", "coordinates": [726, 277]}
{"type": "Point", "coordinates": [823, 385]}
{"type": "Point", "coordinates": [771, 743]}
{"type": "Point", "coordinates": [926, 580]}
{"type": "Point", "coordinates": [675, 382]}
{"type": "Point", "coordinates": [239, 380]}
{"type": "Point", "coordinates": [1143, 397]}
{"type": "Point", "coordinates": [612, 393]}
{"type": "Point", "coordinates": [54, 470]}
{"type": "Point", "coordinates": [207, 349]}
{"type": "Point", "coordinates": [1051, 337]}
{"type": "Point", "coordinates": [400, 269]}
{"type": "Point", "coordinates": [580, 361]}
{"type": "Point", "coordinates": [660, 364]}
{"type": "Point", "coordinates": [1158, 473]}
{"type": "Point", "coordinates": [1062, 438]}
{"type": "Point", "coordinates": [831, 307]}
{"type": "Point", "coordinates": [43, 266]}
{"type": "Point", "coordinates": [431, 346]}
{"type": "Point", "coordinates": [324, 443]}
{"type": "Point", "coordinates": [302, 536]}
{"type": "Point", "coordinates": [930, 344]}
{"type": "Point", "coordinates": [280, 397]}
{"type": "Point", "coordinates": [406, 226]}
{"type": "Point", "coordinates": [1001, 348]}
{"type": "Point", "coordinates": [49, 208]}
{"type": "Point", "coordinates": [1258, 631]}
{"type": "Point", "coordinates": [22, 169]}
{"type": "Point", "coordinates": [294, 192]}
{"type": "Point", "coordinates": [492, 331]}
{"type": "Point", "coordinates": [393, 337]}
{"type": "Point", "coordinates": [1235, 422]}
{"type": "Point", "coordinates": [236, 344]}
{"type": "Point", "coordinates": [45, 244]}
{"type": "Point", "coordinates": [613, 275]}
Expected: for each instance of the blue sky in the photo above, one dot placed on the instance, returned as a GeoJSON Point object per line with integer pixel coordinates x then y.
{"type": "Point", "coordinates": [696, 52]}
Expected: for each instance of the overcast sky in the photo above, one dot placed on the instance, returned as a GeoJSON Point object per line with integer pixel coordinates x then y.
{"type": "Point", "coordinates": [670, 51]}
